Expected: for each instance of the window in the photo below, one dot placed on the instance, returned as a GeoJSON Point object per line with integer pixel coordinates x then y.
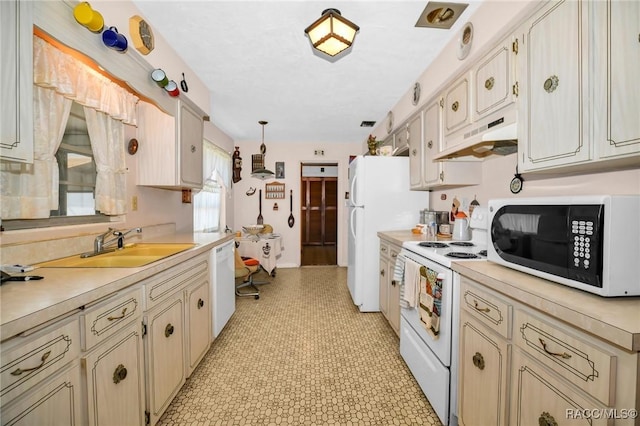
{"type": "Point", "coordinates": [209, 204]}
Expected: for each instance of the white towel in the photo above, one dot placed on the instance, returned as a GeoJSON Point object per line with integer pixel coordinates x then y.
{"type": "Point", "coordinates": [411, 283]}
{"type": "Point", "coordinates": [398, 277]}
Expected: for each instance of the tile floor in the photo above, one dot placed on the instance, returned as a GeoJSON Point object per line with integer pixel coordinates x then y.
{"type": "Point", "coordinates": [302, 355]}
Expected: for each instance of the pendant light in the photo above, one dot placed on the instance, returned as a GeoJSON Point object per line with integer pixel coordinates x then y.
{"type": "Point", "coordinates": [331, 35]}
{"type": "Point", "coordinates": [263, 173]}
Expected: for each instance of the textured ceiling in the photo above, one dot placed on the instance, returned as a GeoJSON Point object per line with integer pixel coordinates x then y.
{"type": "Point", "coordinates": [258, 64]}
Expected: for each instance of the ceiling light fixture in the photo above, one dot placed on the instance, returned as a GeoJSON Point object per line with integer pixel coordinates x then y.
{"type": "Point", "coordinates": [332, 35]}
{"type": "Point", "coordinates": [263, 173]}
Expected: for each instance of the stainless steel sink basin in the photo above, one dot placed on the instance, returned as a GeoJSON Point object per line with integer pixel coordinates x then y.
{"type": "Point", "coordinates": [132, 256]}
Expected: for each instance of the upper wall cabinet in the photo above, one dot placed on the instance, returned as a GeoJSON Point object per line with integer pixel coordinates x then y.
{"type": "Point", "coordinates": [494, 80]}
{"type": "Point", "coordinates": [581, 94]}
{"type": "Point", "coordinates": [170, 153]}
{"type": "Point", "coordinates": [457, 112]}
{"type": "Point", "coordinates": [616, 88]}
{"type": "Point", "coordinates": [16, 78]}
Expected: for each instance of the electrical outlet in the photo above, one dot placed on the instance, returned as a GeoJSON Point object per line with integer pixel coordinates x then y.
{"type": "Point", "coordinates": [134, 203]}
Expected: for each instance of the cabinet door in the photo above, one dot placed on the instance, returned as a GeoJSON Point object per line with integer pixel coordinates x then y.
{"type": "Point", "coordinates": [539, 398]}
{"type": "Point", "coordinates": [115, 380]}
{"type": "Point", "coordinates": [393, 312]}
{"type": "Point", "coordinates": [383, 287]}
{"type": "Point", "coordinates": [16, 80]}
{"type": "Point", "coordinates": [198, 322]}
{"type": "Point", "coordinates": [190, 147]}
{"type": "Point", "coordinates": [493, 81]}
{"type": "Point", "coordinates": [415, 151]}
{"type": "Point", "coordinates": [616, 60]}
{"type": "Point", "coordinates": [52, 403]}
{"type": "Point", "coordinates": [554, 79]}
{"type": "Point", "coordinates": [457, 113]}
{"type": "Point", "coordinates": [401, 138]}
{"type": "Point", "coordinates": [164, 354]}
{"type": "Point", "coordinates": [432, 169]}
{"type": "Point", "coordinates": [483, 367]}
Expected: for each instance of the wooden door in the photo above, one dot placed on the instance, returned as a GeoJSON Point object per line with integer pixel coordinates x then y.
{"type": "Point", "coordinates": [319, 216]}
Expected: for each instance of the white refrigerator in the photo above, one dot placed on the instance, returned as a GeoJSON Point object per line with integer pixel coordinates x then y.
{"type": "Point", "coordinates": [379, 200]}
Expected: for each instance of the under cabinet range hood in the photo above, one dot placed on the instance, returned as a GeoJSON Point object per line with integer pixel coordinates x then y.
{"type": "Point", "coordinates": [496, 137]}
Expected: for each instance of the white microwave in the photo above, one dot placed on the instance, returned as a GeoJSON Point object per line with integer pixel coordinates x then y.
{"type": "Point", "coordinates": [591, 243]}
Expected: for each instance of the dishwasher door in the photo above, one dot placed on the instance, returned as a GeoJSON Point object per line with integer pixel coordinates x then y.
{"type": "Point", "coordinates": [222, 286]}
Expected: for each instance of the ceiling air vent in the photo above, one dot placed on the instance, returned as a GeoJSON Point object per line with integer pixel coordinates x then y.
{"type": "Point", "coordinates": [367, 124]}
{"type": "Point", "coordinates": [440, 15]}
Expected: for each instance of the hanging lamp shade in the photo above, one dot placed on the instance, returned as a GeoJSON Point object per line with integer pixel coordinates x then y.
{"type": "Point", "coordinates": [332, 35]}
{"type": "Point", "coordinates": [262, 173]}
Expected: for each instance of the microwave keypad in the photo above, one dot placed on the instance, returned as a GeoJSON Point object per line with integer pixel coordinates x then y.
{"type": "Point", "coordinates": [582, 231]}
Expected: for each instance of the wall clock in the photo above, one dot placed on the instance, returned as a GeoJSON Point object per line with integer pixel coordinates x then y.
{"type": "Point", "coordinates": [516, 183]}
{"type": "Point", "coordinates": [141, 34]}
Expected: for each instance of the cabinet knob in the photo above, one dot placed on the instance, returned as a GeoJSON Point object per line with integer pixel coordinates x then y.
{"type": "Point", "coordinates": [119, 374]}
{"type": "Point", "coordinates": [193, 148]}
{"type": "Point", "coordinates": [200, 303]}
{"type": "Point", "coordinates": [488, 83]}
{"type": "Point", "coordinates": [393, 283]}
{"type": "Point", "coordinates": [19, 371]}
{"type": "Point", "coordinates": [551, 83]}
{"type": "Point", "coordinates": [122, 315]}
{"type": "Point", "coordinates": [455, 106]}
{"type": "Point", "coordinates": [382, 272]}
{"type": "Point", "coordinates": [547, 419]}
{"type": "Point", "coordinates": [478, 360]}
{"type": "Point", "coordinates": [414, 152]}
{"type": "Point", "coordinates": [168, 330]}
{"type": "Point", "coordinates": [430, 144]}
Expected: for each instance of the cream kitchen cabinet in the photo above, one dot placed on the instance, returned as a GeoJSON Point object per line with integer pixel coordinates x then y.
{"type": "Point", "coordinates": [401, 138]}
{"type": "Point", "coordinates": [616, 87]}
{"type": "Point", "coordinates": [113, 367]}
{"type": "Point", "coordinates": [16, 75]}
{"type": "Point", "coordinates": [457, 106]}
{"type": "Point", "coordinates": [579, 91]}
{"type": "Point", "coordinates": [389, 288]}
{"type": "Point", "coordinates": [522, 366]}
{"type": "Point", "coordinates": [425, 173]}
{"type": "Point", "coordinates": [170, 147]}
{"type": "Point", "coordinates": [172, 319]}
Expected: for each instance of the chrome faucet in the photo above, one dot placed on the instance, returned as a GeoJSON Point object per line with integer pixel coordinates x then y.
{"type": "Point", "coordinates": [99, 244]}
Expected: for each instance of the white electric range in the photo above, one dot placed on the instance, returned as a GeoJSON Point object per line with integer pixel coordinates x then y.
{"type": "Point", "coordinates": [434, 361]}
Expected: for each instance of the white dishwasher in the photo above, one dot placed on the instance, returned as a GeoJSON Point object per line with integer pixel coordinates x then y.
{"type": "Point", "coordinates": [222, 286]}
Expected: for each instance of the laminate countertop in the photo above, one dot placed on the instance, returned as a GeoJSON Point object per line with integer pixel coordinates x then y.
{"type": "Point", "coordinates": [27, 304]}
{"type": "Point", "coordinates": [616, 320]}
{"type": "Point", "coordinates": [399, 237]}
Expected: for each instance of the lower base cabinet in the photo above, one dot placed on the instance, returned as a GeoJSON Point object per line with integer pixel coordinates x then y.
{"type": "Point", "coordinates": [55, 402]}
{"type": "Point", "coordinates": [164, 353]}
{"type": "Point", "coordinates": [198, 326]}
{"type": "Point", "coordinates": [115, 380]}
{"type": "Point", "coordinates": [389, 289]}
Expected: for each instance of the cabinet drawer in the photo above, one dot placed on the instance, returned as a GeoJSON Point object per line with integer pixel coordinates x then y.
{"type": "Point", "coordinates": [541, 398]}
{"type": "Point", "coordinates": [164, 284]}
{"type": "Point", "coordinates": [384, 248]}
{"type": "Point", "coordinates": [26, 361]}
{"type": "Point", "coordinates": [493, 310]}
{"type": "Point", "coordinates": [102, 321]}
{"type": "Point", "coordinates": [569, 354]}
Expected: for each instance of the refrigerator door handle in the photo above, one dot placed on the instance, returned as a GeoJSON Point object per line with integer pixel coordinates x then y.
{"type": "Point", "coordinates": [352, 193]}
{"type": "Point", "coordinates": [351, 222]}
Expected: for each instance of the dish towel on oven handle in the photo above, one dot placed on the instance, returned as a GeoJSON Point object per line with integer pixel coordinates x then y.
{"type": "Point", "coordinates": [407, 274]}
{"type": "Point", "coordinates": [430, 306]}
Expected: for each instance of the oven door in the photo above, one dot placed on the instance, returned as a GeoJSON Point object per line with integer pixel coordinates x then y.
{"type": "Point", "coordinates": [441, 346]}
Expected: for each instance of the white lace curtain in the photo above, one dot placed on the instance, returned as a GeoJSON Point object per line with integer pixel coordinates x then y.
{"type": "Point", "coordinates": [209, 202]}
{"type": "Point", "coordinates": [30, 191]}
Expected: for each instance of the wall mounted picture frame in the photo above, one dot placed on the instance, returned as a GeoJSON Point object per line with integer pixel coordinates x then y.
{"type": "Point", "coordinates": [279, 169]}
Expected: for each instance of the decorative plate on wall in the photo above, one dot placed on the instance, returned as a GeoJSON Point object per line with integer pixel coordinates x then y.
{"type": "Point", "coordinates": [389, 122]}
{"type": "Point", "coordinates": [416, 93]}
{"type": "Point", "coordinates": [465, 41]}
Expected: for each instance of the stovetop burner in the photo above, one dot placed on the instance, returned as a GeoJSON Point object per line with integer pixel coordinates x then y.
{"type": "Point", "coordinates": [462, 255]}
{"type": "Point", "coordinates": [462, 244]}
{"type": "Point", "coordinates": [432, 244]}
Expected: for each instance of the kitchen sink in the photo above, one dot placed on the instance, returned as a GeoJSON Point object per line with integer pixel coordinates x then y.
{"type": "Point", "coordinates": [131, 256]}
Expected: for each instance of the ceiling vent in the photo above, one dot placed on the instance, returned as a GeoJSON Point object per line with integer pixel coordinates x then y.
{"type": "Point", "coordinates": [440, 15]}
{"type": "Point", "coordinates": [367, 124]}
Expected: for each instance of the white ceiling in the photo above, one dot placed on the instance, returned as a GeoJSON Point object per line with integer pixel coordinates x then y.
{"type": "Point", "coordinates": [257, 62]}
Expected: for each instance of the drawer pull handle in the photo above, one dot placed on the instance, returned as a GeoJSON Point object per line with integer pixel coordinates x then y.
{"type": "Point", "coordinates": [119, 374]}
{"type": "Point", "coordinates": [19, 371]}
{"type": "Point", "coordinates": [478, 360]}
{"type": "Point", "coordinates": [200, 303]}
{"type": "Point", "coordinates": [475, 305]}
{"type": "Point", "coordinates": [124, 311]}
{"type": "Point", "coordinates": [547, 419]}
{"type": "Point", "coordinates": [168, 330]}
{"type": "Point", "coordinates": [563, 355]}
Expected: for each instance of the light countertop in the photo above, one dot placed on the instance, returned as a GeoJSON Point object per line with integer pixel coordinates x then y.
{"type": "Point", "coordinates": [616, 320]}
{"type": "Point", "coordinates": [399, 237]}
{"type": "Point", "coordinates": [26, 304]}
